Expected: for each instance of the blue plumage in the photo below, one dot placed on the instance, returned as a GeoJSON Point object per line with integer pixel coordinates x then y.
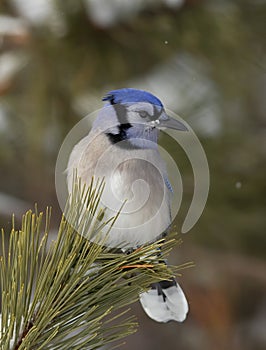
{"type": "Point", "coordinates": [168, 184]}
{"type": "Point", "coordinates": [128, 95]}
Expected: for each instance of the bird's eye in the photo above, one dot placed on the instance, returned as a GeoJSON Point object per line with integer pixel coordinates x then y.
{"type": "Point", "coordinates": [143, 114]}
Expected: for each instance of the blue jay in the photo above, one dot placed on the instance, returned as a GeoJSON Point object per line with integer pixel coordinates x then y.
{"type": "Point", "coordinates": [122, 148]}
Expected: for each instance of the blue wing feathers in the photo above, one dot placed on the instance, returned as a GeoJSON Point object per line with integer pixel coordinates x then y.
{"type": "Point", "coordinates": [168, 184]}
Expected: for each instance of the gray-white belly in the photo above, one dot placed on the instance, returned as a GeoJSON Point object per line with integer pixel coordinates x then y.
{"type": "Point", "coordinates": [134, 185]}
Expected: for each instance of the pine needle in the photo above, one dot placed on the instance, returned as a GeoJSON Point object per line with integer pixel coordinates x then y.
{"type": "Point", "coordinates": [73, 294]}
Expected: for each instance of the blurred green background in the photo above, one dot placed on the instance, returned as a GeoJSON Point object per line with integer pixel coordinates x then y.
{"type": "Point", "coordinates": [206, 61]}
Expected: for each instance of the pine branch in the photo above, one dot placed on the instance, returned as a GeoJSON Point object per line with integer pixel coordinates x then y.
{"type": "Point", "coordinates": [73, 294]}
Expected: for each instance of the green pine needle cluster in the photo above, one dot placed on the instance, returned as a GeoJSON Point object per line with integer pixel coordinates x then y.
{"type": "Point", "coordinates": [73, 293]}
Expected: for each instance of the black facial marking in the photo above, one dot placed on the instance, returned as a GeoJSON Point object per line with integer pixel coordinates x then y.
{"type": "Point", "coordinates": [112, 99]}
{"type": "Point", "coordinates": [124, 125]}
{"type": "Point", "coordinates": [121, 112]}
{"type": "Point", "coordinates": [121, 136]}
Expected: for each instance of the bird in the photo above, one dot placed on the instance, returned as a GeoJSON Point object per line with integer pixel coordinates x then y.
{"type": "Point", "coordinates": [122, 148]}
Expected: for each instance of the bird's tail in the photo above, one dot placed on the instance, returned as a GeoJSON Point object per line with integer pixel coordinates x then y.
{"type": "Point", "coordinates": [165, 301]}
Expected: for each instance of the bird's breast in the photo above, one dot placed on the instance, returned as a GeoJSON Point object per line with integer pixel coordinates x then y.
{"type": "Point", "coordinates": [134, 186]}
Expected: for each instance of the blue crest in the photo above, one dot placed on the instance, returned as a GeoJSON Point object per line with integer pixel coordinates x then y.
{"type": "Point", "coordinates": [128, 95]}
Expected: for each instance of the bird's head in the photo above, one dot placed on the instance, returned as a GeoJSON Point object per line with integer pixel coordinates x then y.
{"type": "Point", "coordinates": [137, 114]}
